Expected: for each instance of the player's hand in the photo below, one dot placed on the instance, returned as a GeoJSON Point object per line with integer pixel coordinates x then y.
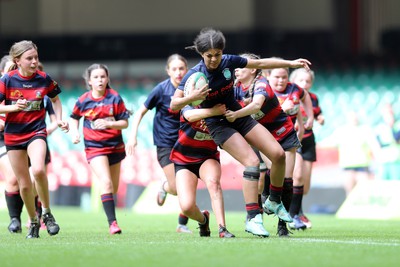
{"type": "Point", "coordinates": [21, 104]}
{"type": "Point", "coordinates": [200, 94]}
{"type": "Point", "coordinates": [219, 109]}
{"type": "Point", "coordinates": [76, 138]}
{"type": "Point", "coordinates": [100, 124]}
{"type": "Point", "coordinates": [63, 125]}
{"type": "Point", "coordinates": [300, 63]}
{"type": "Point", "coordinates": [230, 115]}
{"type": "Point", "coordinates": [287, 105]}
{"type": "Point", "coordinates": [131, 146]}
{"type": "Point", "coordinates": [309, 124]}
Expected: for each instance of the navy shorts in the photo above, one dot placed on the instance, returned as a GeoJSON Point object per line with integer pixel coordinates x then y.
{"type": "Point", "coordinates": [193, 168]}
{"type": "Point", "coordinates": [47, 158]}
{"type": "Point", "coordinates": [290, 141]}
{"type": "Point", "coordinates": [308, 148]}
{"type": "Point", "coordinates": [357, 169]}
{"type": "Point", "coordinates": [113, 158]}
{"type": "Point", "coordinates": [163, 154]}
{"type": "Point", "coordinates": [223, 129]}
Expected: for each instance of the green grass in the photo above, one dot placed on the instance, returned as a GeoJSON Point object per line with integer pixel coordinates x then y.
{"type": "Point", "coordinates": [151, 240]}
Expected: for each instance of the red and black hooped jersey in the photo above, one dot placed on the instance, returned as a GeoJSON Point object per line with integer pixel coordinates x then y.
{"type": "Point", "coordinates": [316, 110]}
{"type": "Point", "coordinates": [194, 144]}
{"type": "Point", "coordinates": [109, 107]}
{"type": "Point", "coordinates": [271, 115]}
{"type": "Point", "coordinates": [294, 93]}
{"type": "Point", "coordinates": [23, 125]}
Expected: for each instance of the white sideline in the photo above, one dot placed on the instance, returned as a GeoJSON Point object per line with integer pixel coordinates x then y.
{"type": "Point", "coordinates": [351, 242]}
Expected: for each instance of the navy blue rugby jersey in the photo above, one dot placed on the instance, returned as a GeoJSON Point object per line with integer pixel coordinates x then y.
{"type": "Point", "coordinates": [221, 81]}
{"type": "Point", "coordinates": [166, 121]}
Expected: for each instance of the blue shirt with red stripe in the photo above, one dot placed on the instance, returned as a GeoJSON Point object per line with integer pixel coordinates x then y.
{"type": "Point", "coordinates": [271, 115]}
{"type": "Point", "coordinates": [109, 107]}
{"type": "Point", "coordinates": [166, 121]}
{"type": "Point", "coordinates": [220, 81]}
{"type": "Point", "coordinates": [22, 126]}
{"type": "Point", "coordinates": [194, 144]}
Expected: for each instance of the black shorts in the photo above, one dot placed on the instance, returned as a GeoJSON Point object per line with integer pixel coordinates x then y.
{"type": "Point", "coordinates": [358, 169]}
{"type": "Point", "coordinates": [290, 141]}
{"type": "Point", "coordinates": [223, 130]}
{"type": "Point", "coordinates": [163, 154]}
{"type": "Point", "coordinates": [193, 168]}
{"type": "Point", "coordinates": [113, 158]}
{"type": "Point", "coordinates": [47, 158]}
{"type": "Point", "coordinates": [308, 149]}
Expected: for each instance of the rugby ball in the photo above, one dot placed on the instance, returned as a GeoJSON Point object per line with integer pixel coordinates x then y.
{"type": "Point", "coordinates": [195, 82]}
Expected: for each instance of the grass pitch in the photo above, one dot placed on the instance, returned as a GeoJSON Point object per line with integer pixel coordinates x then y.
{"type": "Point", "coordinates": [151, 240]}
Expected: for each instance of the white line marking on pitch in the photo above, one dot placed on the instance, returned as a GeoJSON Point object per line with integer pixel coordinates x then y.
{"type": "Point", "coordinates": [356, 242]}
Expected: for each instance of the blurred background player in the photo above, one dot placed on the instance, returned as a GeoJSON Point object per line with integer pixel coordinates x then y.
{"type": "Point", "coordinates": [165, 129]}
{"type": "Point", "coordinates": [388, 135]}
{"type": "Point", "coordinates": [263, 105]}
{"type": "Point", "coordinates": [357, 146]}
{"type": "Point", "coordinates": [291, 97]}
{"type": "Point", "coordinates": [105, 115]}
{"type": "Point", "coordinates": [12, 194]}
{"type": "Point", "coordinates": [307, 153]}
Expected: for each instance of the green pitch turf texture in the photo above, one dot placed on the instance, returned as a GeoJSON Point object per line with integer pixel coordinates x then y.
{"type": "Point", "coordinates": [151, 240]}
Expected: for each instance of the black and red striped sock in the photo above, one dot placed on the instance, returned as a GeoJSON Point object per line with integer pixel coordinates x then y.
{"type": "Point", "coordinates": [252, 210]}
{"type": "Point", "coordinates": [275, 193]}
{"type": "Point", "coordinates": [183, 219]}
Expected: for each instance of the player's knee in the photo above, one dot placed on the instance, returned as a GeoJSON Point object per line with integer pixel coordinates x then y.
{"type": "Point", "coordinates": [279, 158]}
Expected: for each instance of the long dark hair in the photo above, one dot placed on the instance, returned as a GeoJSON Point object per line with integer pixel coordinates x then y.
{"type": "Point", "coordinates": [207, 39]}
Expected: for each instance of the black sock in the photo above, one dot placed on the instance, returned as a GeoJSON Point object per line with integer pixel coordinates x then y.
{"type": "Point", "coordinates": [296, 200]}
{"type": "Point", "coordinates": [14, 204]}
{"type": "Point", "coordinates": [267, 182]}
{"type": "Point", "coordinates": [275, 193]}
{"type": "Point", "coordinates": [183, 219]}
{"type": "Point", "coordinates": [109, 207]}
{"type": "Point", "coordinates": [287, 193]}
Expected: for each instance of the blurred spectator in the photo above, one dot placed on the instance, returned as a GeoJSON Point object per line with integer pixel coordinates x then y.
{"type": "Point", "coordinates": [357, 147]}
{"type": "Point", "coordinates": [387, 133]}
